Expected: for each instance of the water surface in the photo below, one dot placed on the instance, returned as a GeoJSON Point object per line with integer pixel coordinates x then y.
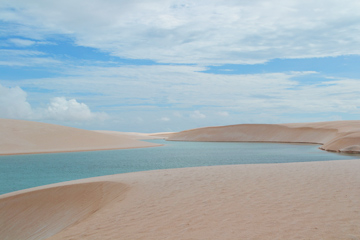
{"type": "Point", "coordinates": [25, 171]}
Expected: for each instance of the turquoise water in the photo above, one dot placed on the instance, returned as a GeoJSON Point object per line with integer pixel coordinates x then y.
{"type": "Point", "coordinates": [25, 171]}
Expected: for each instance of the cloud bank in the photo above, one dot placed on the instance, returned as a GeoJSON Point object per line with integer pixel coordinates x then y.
{"type": "Point", "coordinates": [14, 104]}
{"type": "Point", "coordinates": [70, 110]}
{"type": "Point", "coordinates": [202, 32]}
{"type": "Point", "coordinates": [189, 40]}
{"type": "Point", "coordinates": [186, 91]}
{"type": "Point", "coordinates": [182, 96]}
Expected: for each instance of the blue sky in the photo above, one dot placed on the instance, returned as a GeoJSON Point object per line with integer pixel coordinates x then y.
{"type": "Point", "coordinates": [167, 65]}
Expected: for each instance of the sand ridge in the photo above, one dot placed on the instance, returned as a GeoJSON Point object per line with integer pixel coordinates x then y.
{"type": "Point", "coordinates": [338, 136]}
{"type": "Point", "coordinates": [25, 137]}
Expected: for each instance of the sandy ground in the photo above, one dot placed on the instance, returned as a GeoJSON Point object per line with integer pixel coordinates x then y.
{"type": "Point", "coordinates": [338, 136]}
{"type": "Point", "coordinates": [24, 137]}
{"type": "Point", "coordinates": [318, 200]}
{"type": "Point", "coordinates": [138, 136]}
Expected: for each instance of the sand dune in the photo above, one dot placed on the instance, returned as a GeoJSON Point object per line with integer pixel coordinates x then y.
{"type": "Point", "coordinates": [315, 200]}
{"type": "Point", "coordinates": [42, 212]}
{"type": "Point", "coordinates": [318, 200]}
{"type": "Point", "coordinates": [339, 136]}
{"type": "Point", "coordinates": [21, 137]}
{"type": "Point", "coordinates": [138, 136]}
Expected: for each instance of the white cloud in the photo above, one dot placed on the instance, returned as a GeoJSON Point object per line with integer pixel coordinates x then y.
{"type": "Point", "coordinates": [21, 42]}
{"type": "Point", "coordinates": [205, 32]}
{"type": "Point", "coordinates": [209, 32]}
{"type": "Point", "coordinates": [198, 115]}
{"type": "Point", "coordinates": [116, 91]}
{"type": "Point", "coordinates": [14, 57]}
{"type": "Point", "coordinates": [15, 52]}
{"type": "Point", "coordinates": [61, 109]}
{"type": "Point", "coordinates": [182, 87]}
{"type": "Point", "coordinates": [13, 103]}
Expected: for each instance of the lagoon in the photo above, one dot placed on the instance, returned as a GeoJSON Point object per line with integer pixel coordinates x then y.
{"type": "Point", "coordinates": [26, 171]}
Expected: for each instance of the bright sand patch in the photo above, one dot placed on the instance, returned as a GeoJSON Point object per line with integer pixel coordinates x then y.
{"type": "Point", "coordinates": [23, 137]}
{"type": "Point", "coordinates": [317, 200]}
{"type": "Point", "coordinates": [138, 136]}
{"type": "Point", "coordinates": [338, 136]}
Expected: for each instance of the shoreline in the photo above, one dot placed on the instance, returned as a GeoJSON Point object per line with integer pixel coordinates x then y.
{"type": "Point", "coordinates": [19, 137]}
{"type": "Point", "coordinates": [82, 150]}
{"type": "Point", "coordinates": [336, 136]}
{"type": "Point", "coordinates": [26, 137]}
{"type": "Point", "coordinates": [299, 200]}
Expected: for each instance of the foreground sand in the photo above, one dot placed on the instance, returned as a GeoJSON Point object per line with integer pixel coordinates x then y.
{"type": "Point", "coordinates": [25, 137]}
{"type": "Point", "coordinates": [318, 200]}
{"type": "Point", "coordinates": [336, 136]}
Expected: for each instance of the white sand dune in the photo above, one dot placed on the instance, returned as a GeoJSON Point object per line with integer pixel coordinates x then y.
{"type": "Point", "coordinates": [317, 200]}
{"type": "Point", "coordinates": [138, 136]}
{"type": "Point", "coordinates": [24, 137]}
{"type": "Point", "coordinates": [338, 136]}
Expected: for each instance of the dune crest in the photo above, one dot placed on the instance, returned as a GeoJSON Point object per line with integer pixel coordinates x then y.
{"type": "Point", "coordinates": [25, 137]}
{"type": "Point", "coordinates": [337, 136]}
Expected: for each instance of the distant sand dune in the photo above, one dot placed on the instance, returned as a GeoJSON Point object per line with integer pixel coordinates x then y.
{"type": "Point", "coordinates": [22, 137]}
{"type": "Point", "coordinates": [338, 136]}
{"type": "Point", "coordinates": [138, 136]}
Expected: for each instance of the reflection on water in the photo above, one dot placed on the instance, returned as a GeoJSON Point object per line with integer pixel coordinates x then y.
{"type": "Point", "coordinates": [25, 171]}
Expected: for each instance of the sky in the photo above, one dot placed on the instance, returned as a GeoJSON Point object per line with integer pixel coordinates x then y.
{"type": "Point", "coordinates": [172, 65]}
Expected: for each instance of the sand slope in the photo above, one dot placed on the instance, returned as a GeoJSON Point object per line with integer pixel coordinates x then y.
{"type": "Point", "coordinates": [340, 136]}
{"type": "Point", "coordinates": [20, 137]}
{"type": "Point", "coordinates": [38, 214]}
{"type": "Point", "coordinates": [318, 200]}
